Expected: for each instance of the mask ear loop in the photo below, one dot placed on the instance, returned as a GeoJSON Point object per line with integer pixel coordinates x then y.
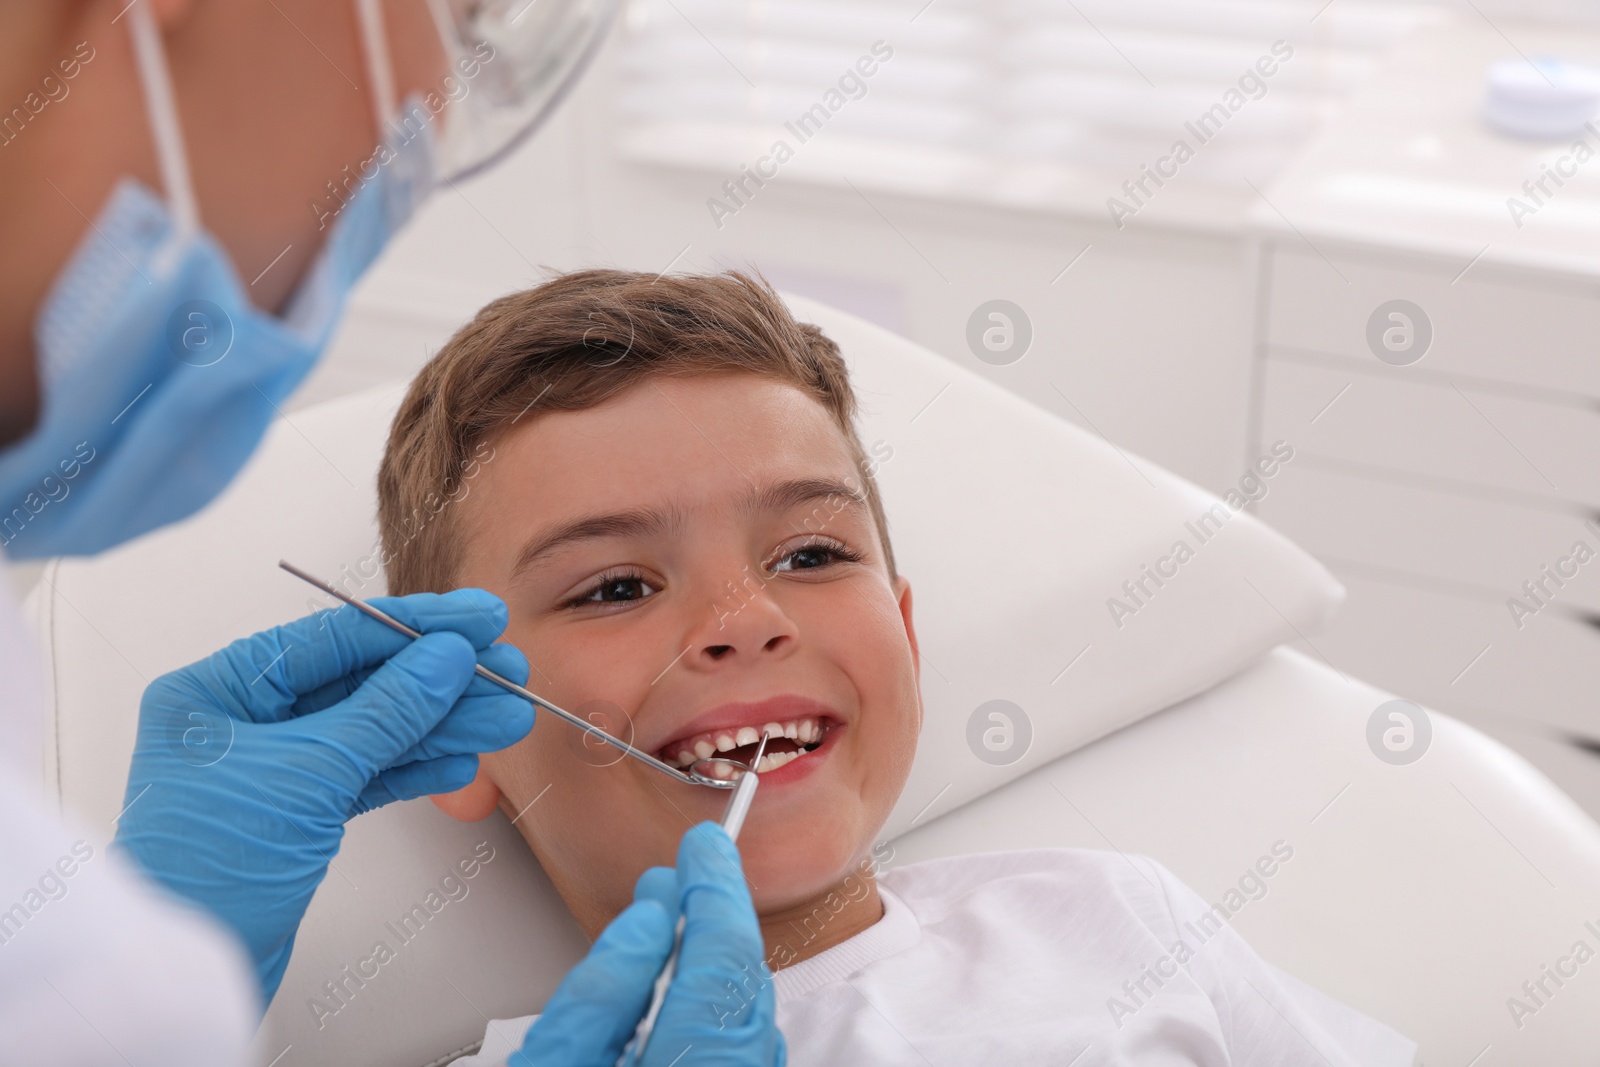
{"type": "Point", "coordinates": [380, 67]}
{"type": "Point", "coordinates": [166, 131]}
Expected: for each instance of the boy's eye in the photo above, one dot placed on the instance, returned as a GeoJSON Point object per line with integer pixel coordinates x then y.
{"type": "Point", "coordinates": [815, 555]}
{"type": "Point", "coordinates": [627, 586]}
{"type": "Point", "coordinates": [619, 588]}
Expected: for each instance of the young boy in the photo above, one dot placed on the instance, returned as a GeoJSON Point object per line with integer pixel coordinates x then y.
{"type": "Point", "coordinates": [661, 478]}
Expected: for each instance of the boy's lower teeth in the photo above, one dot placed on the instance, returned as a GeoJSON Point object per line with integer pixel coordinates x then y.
{"type": "Point", "coordinates": [773, 760]}
{"type": "Point", "coordinates": [783, 749]}
{"type": "Point", "coordinates": [779, 751]}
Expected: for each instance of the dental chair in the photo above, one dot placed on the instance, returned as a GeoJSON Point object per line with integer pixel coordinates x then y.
{"type": "Point", "coordinates": [1195, 724]}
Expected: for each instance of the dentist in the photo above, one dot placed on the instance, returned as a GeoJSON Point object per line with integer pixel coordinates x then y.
{"type": "Point", "coordinates": [188, 191]}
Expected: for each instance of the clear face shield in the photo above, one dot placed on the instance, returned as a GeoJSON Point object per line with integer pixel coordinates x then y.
{"type": "Point", "coordinates": [506, 65]}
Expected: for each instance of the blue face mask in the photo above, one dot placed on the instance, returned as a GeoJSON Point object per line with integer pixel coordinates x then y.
{"type": "Point", "coordinates": [159, 376]}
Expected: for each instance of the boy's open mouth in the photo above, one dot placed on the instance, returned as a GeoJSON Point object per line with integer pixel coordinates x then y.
{"type": "Point", "coordinates": [791, 740]}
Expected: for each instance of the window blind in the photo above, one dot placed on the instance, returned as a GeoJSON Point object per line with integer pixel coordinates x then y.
{"type": "Point", "coordinates": [994, 97]}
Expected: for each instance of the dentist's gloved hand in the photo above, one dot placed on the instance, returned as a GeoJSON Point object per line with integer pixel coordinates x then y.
{"type": "Point", "coordinates": [592, 1015]}
{"type": "Point", "coordinates": [248, 763]}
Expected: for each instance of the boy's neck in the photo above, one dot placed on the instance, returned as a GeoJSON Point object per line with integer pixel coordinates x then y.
{"type": "Point", "coordinates": [817, 924]}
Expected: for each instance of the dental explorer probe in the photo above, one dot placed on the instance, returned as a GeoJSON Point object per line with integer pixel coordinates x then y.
{"type": "Point", "coordinates": [693, 777]}
{"type": "Point", "coordinates": [732, 822]}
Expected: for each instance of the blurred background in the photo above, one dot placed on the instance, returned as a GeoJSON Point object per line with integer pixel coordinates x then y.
{"type": "Point", "coordinates": [1379, 244]}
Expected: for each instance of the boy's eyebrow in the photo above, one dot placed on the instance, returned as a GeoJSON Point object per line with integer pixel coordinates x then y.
{"type": "Point", "coordinates": [645, 521]}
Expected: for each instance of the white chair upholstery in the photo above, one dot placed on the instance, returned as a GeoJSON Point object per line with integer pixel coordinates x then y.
{"type": "Point", "coordinates": [1424, 895]}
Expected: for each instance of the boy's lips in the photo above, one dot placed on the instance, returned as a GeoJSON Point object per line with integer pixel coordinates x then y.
{"type": "Point", "coordinates": [728, 728]}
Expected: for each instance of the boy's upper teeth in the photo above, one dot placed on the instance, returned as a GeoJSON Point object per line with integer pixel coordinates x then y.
{"type": "Point", "coordinates": [703, 746]}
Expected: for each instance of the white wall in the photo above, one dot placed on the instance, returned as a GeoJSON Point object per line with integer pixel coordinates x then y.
{"type": "Point", "coordinates": [1143, 340]}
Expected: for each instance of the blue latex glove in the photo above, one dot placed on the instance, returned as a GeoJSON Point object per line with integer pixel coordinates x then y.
{"type": "Point", "coordinates": [592, 1014]}
{"type": "Point", "coordinates": [248, 763]}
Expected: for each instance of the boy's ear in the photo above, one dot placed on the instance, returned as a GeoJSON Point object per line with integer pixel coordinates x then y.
{"type": "Point", "coordinates": [902, 592]}
{"type": "Point", "coordinates": [473, 802]}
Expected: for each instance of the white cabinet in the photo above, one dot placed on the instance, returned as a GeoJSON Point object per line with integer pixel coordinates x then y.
{"type": "Point", "coordinates": [1439, 430]}
{"type": "Point", "coordinates": [1452, 473]}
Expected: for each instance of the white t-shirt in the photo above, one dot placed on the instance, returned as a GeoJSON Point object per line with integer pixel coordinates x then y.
{"type": "Point", "coordinates": [1022, 958]}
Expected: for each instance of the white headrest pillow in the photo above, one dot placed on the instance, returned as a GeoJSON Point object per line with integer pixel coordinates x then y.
{"type": "Point", "coordinates": [1015, 527]}
{"type": "Point", "coordinates": [1018, 531]}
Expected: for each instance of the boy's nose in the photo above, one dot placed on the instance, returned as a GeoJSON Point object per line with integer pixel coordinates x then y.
{"type": "Point", "coordinates": [749, 620]}
{"type": "Point", "coordinates": [720, 651]}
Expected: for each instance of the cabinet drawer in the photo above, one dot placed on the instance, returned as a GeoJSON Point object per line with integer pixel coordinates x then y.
{"type": "Point", "coordinates": [1435, 429]}
{"type": "Point", "coordinates": [1532, 331]}
{"type": "Point", "coordinates": [1491, 546]}
{"type": "Point", "coordinates": [1459, 656]}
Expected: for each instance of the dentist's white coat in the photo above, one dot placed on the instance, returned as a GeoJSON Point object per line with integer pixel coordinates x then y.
{"type": "Point", "coordinates": [97, 966]}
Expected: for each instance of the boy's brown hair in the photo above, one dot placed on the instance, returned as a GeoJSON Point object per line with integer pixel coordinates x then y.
{"type": "Point", "coordinates": [567, 345]}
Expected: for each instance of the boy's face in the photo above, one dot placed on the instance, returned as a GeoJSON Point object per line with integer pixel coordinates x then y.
{"type": "Point", "coordinates": [757, 597]}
